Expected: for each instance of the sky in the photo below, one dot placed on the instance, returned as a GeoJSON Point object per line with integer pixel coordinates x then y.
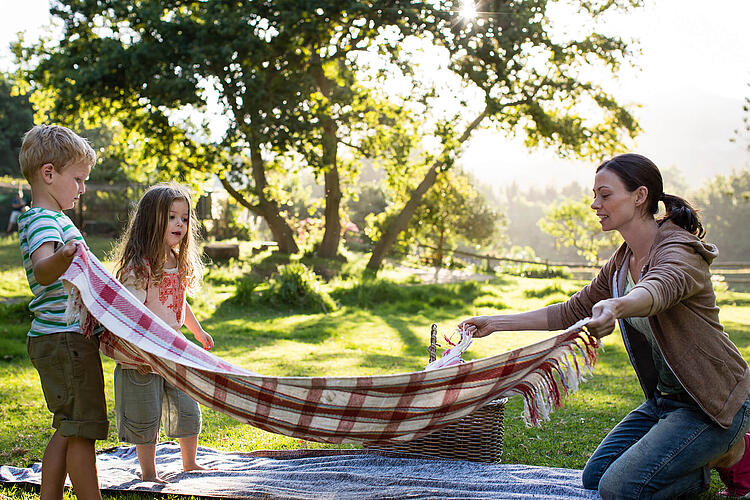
{"type": "Point", "coordinates": [687, 90]}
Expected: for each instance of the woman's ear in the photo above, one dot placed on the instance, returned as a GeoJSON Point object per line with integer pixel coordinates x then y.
{"type": "Point", "coordinates": [641, 195]}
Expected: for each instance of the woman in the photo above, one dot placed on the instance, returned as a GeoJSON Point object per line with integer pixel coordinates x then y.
{"type": "Point", "coordinates": [657, 286]}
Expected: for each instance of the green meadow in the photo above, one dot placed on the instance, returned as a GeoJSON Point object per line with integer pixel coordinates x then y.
{"type": "Point", "coordinates": [379, 326]}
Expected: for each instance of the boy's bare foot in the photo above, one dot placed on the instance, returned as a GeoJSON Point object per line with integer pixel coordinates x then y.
{"type": "Point", "coordinates": [154, 479]}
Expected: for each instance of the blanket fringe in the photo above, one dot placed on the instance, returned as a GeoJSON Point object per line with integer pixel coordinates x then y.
{"type": "Point", "coordinates": [543, 391]}
{"type": "Point", "coordinates": [75, 310]}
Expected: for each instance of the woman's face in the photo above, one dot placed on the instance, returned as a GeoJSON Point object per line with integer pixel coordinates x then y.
{"type": "Point", "coordinates": [613, 203]}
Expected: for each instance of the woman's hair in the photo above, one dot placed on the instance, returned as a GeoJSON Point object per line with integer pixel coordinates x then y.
{"type": "Point", "coordinates": [142, 247]}
{"type": "Point", "coordinates": [634, 171]}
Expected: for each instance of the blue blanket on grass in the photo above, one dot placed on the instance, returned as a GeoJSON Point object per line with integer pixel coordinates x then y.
{"type": "Point", "coordinates": [330, 474]}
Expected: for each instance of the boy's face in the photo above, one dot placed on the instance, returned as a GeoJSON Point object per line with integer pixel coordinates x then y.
{"type": "Point", "coordinates": [68, 185]}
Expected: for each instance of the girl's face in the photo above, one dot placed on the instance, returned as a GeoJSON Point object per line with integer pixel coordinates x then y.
{"type": "Point", "coordinates": [177, 225]}
{"type": "Point", "coordinates": [613, 203]}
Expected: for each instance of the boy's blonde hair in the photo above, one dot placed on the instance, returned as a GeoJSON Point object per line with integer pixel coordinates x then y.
{"type": "Point", "coordinates": [142, 246]}
{"type": "Point", "coordinates": [53, 144]}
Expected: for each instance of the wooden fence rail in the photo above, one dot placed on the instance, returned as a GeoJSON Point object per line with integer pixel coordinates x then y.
{"type": "Point", "coordinates": [490, 258]}
{"type": "Point", "coordinates": [716, 268]}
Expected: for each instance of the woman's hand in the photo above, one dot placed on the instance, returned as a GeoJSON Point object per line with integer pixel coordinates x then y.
{"type": "Point", "coordinates": [478, 326]}
{"type": "Point", "coordinates": [603, 317]}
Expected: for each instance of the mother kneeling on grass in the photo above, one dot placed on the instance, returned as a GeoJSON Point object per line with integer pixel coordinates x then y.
{"type": "Point", "coordinates": [657, 286]}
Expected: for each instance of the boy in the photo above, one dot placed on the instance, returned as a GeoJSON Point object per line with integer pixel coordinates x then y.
{"type": "Point", "coordinates": [56, 162]}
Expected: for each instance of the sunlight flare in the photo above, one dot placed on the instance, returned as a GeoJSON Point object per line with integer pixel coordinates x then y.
{"type": "Point", "coordinates": [468, 10]}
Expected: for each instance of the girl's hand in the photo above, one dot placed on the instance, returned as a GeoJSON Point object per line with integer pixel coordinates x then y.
{"type": "Point", "coordinates": [478, 326]}
{"type": "Point", "coordinates": [603, 317]}
{"type": "Point", "coordinates": [205, 339]}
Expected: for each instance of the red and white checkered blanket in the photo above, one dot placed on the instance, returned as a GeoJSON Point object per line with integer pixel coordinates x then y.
{"type": "Point", "coordinates": [326, 409]}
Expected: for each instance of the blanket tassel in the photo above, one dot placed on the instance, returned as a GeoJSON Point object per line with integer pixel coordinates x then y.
{"type": "Point", "coordinates": [544, 391]}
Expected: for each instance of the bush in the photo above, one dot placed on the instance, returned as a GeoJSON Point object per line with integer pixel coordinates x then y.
{"type": "Point", "coordinates": [245, 288]}
{"type": "Point", "coordinates": [372, 292]}
{"type": "Point", "coordinates": [536, 271]}
{"type": "Point", "coordinates": [490, 302]}
{"type": "Point", "coordinates": [552, 289]}
{"type": "Point", "coordinates": [270, 264]}
{"type": "Point", "coordinates": [16, 312]}
{"type": "Point", "coordinates": [225, 273]}
{"type": "Point", "coordinates": [298, 287]}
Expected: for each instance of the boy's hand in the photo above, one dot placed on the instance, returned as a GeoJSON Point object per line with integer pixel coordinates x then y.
{"type": "Point", "coordinates": [205, 339]}
{"type": "Point", "coordinates": [69, 249]}
{"type": "Point", "coordinates": [49, 263]}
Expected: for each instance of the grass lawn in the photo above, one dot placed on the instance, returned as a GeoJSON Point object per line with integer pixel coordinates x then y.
{"type": "Point", "coordinates": [384, 337]}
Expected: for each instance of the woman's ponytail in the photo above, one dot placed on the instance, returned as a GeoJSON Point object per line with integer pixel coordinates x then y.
{"type": "Point", "coordinates": [682, 213]}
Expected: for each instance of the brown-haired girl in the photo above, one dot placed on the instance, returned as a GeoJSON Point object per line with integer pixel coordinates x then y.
{"type": "Point", "coordinates": [159, 262]}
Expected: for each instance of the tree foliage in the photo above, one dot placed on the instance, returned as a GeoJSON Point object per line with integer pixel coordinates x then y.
{"type": "Point", "coordinates": [726, 203]}
{"type": "Point", "coordinates": [452, 211]}
{"type": "Point", "coordinates": [16, 117]}
{"type": "Point", "coordinates": [529, 80]}
{"type": "Point", "coordinates": [573, 224]}
{"type": "Point", "coordinates": [281, 74]}
{"type": "Point", "coordinates": [311, 84]}
{"type": "Point", "coordinates": [742, 134]}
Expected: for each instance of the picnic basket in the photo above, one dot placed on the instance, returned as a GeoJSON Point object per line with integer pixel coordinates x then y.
{"type": "Point", "coordinates": [477, 437]}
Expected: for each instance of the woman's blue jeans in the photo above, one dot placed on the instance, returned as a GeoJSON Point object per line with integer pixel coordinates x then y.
{"type": "Point", "coordinates": [661, 450]}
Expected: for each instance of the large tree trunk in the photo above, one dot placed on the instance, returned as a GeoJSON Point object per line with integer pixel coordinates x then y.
{"type": "Point", "coordinates": [266, 208]}
{"type": "Point", "coordinates": [385, 243]}
{"type": "Point", "coordinates": [329, 247]}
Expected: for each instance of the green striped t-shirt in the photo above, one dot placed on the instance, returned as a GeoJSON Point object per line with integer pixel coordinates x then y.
{"type": "Point", "coordinates": [35, 227]}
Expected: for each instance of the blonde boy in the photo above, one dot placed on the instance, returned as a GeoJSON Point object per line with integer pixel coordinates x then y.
{"type": "Point", "coordinates": [56, 162]}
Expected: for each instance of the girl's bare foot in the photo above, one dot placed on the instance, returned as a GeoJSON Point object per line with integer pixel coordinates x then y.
{"type": "Point", "coordinates": [194, 466]}
{"type": "Point", "coordinates": [154, 479]}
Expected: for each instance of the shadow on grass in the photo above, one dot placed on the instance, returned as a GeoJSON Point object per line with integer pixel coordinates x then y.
{"type": "Point", "coordinates": [241, 326]}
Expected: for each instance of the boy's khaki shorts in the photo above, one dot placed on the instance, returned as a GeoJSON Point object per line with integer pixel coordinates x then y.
{"type": "Point", "coordinates": [142, 400]}
{"type": "Point", "coordinates": [70, 371]}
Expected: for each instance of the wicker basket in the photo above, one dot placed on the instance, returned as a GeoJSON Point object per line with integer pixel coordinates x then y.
{"type": "Point", "coordinates": [477, 437]}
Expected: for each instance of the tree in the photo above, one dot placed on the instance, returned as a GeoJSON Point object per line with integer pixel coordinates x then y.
{"type": "Point", "coordinates": [301, 84]}
{"type": "Point", "coordinates": [573, 224]}
{"type": "Point", "coordinates": [283, 75]}
{"type": "Point", "coordinates": [371, 198]}
{"type": "Point", "coordinates": [16, 117]}
{"type": "Point", "coordinates": [742, 134]}
{"type": "Point", "coordinates": [453, 209]}
{"type": "Point", "coordinates": [529, 81]}
{"type": "Point", "coordinates": [725, 200]}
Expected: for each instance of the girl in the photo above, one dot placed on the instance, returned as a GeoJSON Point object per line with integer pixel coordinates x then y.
{"type": "Point", "coordinates": [158, 261]}
{"type": "Point", "coordinates": [657, 286]}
